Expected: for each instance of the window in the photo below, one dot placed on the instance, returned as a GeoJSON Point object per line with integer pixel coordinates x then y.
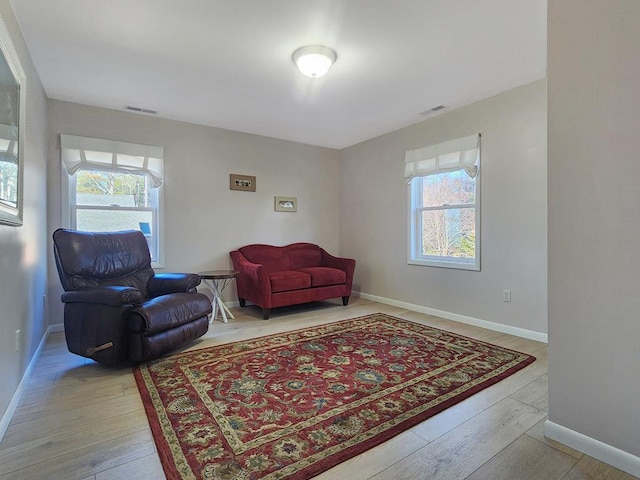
{"type": "Point", "coordinates": [444, 213]}
{"type": "Point", "coordinates": [11, 134]}
{"type": "Point", "coordinates": [8, 182]}
{"type": "Point", "coordinates": [114, 186]}
{"type": "Point", "coordinates": [9, 151]}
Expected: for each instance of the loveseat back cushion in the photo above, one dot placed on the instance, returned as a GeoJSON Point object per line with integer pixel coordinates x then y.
{"type": "Point", "coordinates": [303, 255]}
{"type": "Point", "coordinates": [324, 276]}
{"type": "Point", "coordinates": [95, 259]}
{"type": "Point", "coordinates": [272, 258]}
{"type": "Point", "coordinates": [286, 280]}
{"type": "Point", "coordinates": [289, 257]}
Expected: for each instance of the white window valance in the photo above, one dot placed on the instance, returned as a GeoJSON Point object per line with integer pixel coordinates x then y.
{"type": "Point", "coordinates": [459, 154]}
{"type": "Point", "coordinates": [85, 153]}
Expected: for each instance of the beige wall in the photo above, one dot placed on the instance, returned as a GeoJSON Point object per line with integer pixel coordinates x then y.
{"type": "Point", "coordinates": [594, 220]}
{"type": "Point", "coordinates": [23, 250]}
{"type": "Point", "coordinates": [373, 213]}
{"type": "Point", "coordinates": [204, 220]}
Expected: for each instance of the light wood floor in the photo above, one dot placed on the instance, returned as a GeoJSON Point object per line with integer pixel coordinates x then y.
{"type": "Point", "coordinates": [79, 420]}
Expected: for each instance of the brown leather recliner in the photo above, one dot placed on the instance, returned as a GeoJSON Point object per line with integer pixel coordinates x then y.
{"type": "Point", "coordinates": [116, 308]}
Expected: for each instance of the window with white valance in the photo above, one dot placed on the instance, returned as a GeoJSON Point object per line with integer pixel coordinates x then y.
{"type": "Point", "coordinates": [444, 204]}
{"type": "Point", "coordinates": [114, 185]}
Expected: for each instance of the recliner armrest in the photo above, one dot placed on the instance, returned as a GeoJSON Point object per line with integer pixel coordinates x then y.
{"type": "Point", "coordinates": [165, 283]}
{"type": "Point", "coordinates": [115, 296]}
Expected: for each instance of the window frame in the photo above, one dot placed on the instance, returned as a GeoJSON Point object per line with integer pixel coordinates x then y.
{"type": "Point", "coordinates": [70, 208]}
{"type": "Point", "coordinates": [415, 209]}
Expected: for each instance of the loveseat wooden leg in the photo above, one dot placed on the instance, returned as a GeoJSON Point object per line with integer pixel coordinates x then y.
{"type": "Point", "coordinates": [265, 313]}
{"type": "Point", "coordinates": [345, 300]}
{"type": "Point", "coordinates": [242, 302]}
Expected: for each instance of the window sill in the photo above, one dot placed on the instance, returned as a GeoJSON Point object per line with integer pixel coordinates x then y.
{"type": "Point", "coordinates": [445, 264]}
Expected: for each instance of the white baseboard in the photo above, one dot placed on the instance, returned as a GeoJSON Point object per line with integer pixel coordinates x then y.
{"type": "Point", "coordinates": [498, 327]}
{"type": "Point", "coordinates": [56, 328]}
{"type": "Point", "coordinates": [13, 404]}
{"type": "Point", "coordinates": [594, 448]}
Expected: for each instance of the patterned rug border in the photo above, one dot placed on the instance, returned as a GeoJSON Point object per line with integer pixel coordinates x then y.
{"type": "Point", "coordinates": [164, 450]}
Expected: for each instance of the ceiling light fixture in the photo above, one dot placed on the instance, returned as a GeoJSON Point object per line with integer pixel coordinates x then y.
{"type": "Point", "coordinates": [314, 60]}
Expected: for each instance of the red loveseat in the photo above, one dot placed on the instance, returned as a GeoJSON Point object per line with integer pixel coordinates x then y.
{"type": "Point", "coordinates": [273, 276]}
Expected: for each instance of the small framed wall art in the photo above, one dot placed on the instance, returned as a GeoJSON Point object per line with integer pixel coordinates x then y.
{"type": "Point", "coordinates": [245, 183]}
{"type": "Point", "coordinates": [285, 204]}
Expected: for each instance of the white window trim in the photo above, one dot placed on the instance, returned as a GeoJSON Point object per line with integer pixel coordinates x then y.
{"type": "Point", "coordinates": [10, 215]}
{"type": "Point", "coordinates": [69, 207]}
{"type": "Point", "coordinates": [414, 240]}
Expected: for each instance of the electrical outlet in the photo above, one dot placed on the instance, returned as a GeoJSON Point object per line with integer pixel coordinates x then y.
{"type": "Point", "coordinates": [18, 340]}
{"type": "Point", "coordinates": [506, 295]}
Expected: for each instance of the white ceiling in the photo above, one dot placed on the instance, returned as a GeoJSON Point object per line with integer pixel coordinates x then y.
{"type": "Point", "coordinates": [227, 63]}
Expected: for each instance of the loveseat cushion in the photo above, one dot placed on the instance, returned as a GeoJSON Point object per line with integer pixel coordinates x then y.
{"type": "Point", "coordinates": [286, 280]}
{"type": "Point", "coordinates": [323, 276]}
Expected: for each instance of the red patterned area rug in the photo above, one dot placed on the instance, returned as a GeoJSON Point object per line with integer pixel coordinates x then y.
{"type": "Point", "coordinates": [292, 405]}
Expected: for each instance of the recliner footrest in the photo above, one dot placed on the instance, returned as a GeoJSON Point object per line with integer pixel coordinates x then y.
{"type": "Point", "coordinates": [167, 312]}
{"type": "Point", "coordinates": [143, 348]}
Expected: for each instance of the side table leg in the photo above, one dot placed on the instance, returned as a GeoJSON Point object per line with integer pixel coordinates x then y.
{"type": "Point", "coordinates": [214, 304]}
{"type": "Point", "coordinates": [214, 312]}
{"type": "Point", "coordinates": [221, 285]}
{"type": "Point", "coordinates": [217, 305]}
{"type": "Point", "coordinates": [218, 301]}
{"type": "Point", "coordinates": [226, 309]}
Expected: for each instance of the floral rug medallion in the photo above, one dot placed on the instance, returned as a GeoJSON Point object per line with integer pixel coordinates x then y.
{"type": "Point", "coordinates": [292, 405]}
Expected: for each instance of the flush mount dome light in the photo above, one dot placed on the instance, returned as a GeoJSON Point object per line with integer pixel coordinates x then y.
{"type": "Point", "coordinates": [314, 60]}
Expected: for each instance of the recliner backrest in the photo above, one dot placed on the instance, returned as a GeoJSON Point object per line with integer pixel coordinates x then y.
{"type": "Point", "coordinates": [94, 259]}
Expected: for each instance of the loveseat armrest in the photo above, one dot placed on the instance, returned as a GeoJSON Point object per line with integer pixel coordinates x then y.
{"type": "Point", "coordinates": [252, 282]}
{"type": "Point", "coordinates": [165, 283]}
{"type": "Point", "coordinates": [115, 296]}
{"type": "Point", "coordinates": [348, 265]}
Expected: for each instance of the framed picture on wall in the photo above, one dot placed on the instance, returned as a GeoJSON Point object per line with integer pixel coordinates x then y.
{"type": "Point", "coordinates": [246, 183]}
{"type": "Point", "coordinates": [12, 90]}
{"type": "Point", "coordinates": [285, 204]}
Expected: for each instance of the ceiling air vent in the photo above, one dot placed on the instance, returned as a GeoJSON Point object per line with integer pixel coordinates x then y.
{"type": "Point", "coordinates": [431, 110]}
{"type": "Point", "coordinates": [140, 110]}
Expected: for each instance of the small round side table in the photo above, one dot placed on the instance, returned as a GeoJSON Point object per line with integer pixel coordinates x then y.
{"type": "Point", "coordinates": [218, 280]}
